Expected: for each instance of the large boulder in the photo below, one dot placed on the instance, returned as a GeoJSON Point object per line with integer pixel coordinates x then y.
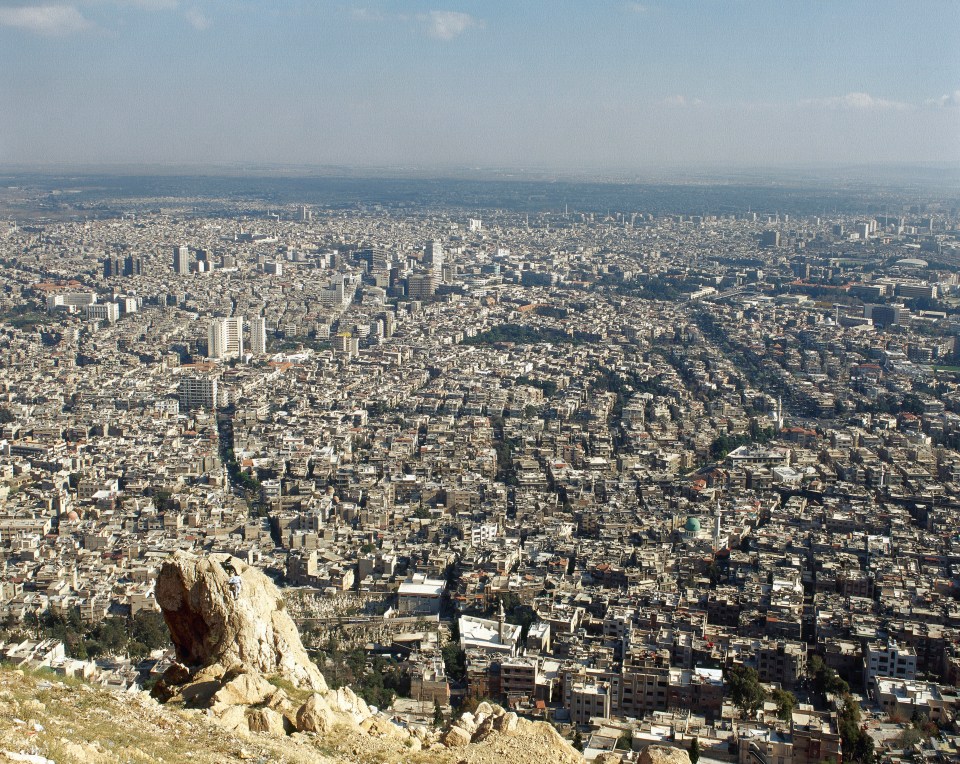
{"type": "Point", "coordinates": [231, 718]}
{"type": "Point", "coordinates": [456, 737]}
{"type": "Point", "coordinates": [608, 758]}
{"type": "Point", "coordinates": [663, 754]}
{"type": "Point", "coordinates": [347, 702]}
{"type": "Point", "coordinates": [267, 720]}
{"type": "Point", "coordinates": [507, 724]}
{"type": "Point", "coordinates": [208, 625]}
{"type": "Point", "coordinates": [315, 715]}
{"type": "Point", "coordinates": [246, 689]}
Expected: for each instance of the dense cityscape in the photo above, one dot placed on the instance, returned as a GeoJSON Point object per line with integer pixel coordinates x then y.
{"type": "Point", "coordinates": [658, 474]}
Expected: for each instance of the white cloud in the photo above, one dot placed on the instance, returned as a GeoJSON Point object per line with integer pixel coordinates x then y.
{"type": "Point", "coordinates": [445, 25]}
{"type": "Point", "coordinates": [946, 101]}
{"type": "Point", "coordinates": [859, 102]}
{"type": "Point", "coordinates": [196, 19]}
{"type": "Point", "coordinates": [368, 15]}
{"type": "Point", "coordinates": [681, 100]}
{"type": "Point", "coordinates": [51, 20]}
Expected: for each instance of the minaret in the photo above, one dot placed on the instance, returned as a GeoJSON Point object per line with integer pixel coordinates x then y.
{"type": "Point", "coordinates": [716, 528]}
{"type": "Point", "coordinates": [501, 617]}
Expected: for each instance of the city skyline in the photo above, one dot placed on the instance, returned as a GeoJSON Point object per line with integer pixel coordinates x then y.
{"type": "Point", "coordinates": [568, 86]}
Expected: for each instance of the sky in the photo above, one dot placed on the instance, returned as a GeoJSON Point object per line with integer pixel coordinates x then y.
{"type": "Point", "coordinates": [540, 84]}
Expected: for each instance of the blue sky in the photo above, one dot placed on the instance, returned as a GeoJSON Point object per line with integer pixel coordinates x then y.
{"type": "Point", "coordinates": [550, 84]}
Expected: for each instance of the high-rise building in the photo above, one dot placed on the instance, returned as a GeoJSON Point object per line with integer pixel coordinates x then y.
{"type": "Point", "coordinates": [133, 265]}
{"type": "Point", "coordinates": [225, 338]}
{"type": "Point", "coordinates": [181, 259]}
{"type": "Point", "coordinates": [433, 256]}
{"type": "Point", "coordinates": [198, 392]}
{"type": "Point", "coordinates": [422, 285]}
{"type": "Point", "coordinates": [346, 344]}
{"type": "Point", "coordinates": [111, 266]}
{"type": "Point", "coordinates": [770, 239]}
{"type": "Point", "coordinates": [258, 336]}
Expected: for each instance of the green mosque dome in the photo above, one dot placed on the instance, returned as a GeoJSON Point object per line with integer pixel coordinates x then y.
{"type": "Point", "coordinates": [692, 525]}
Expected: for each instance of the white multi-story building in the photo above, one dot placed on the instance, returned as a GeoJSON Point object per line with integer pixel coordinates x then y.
{"type": "Point", "coordinates": [70, 300]}
{"type": "Point", "coordinates": [483, 532]}
{"type": "Point", "coordinates": [888, 659]}
{"type": "Point", "coordinates": [433, 256]}
{"type": "Point", "coordinates": [258, 336]}
{"type": "Point", "coordinates": [181, 259]}
{"type": "Point", "coordinates": [225, 338]}
{"type": "Point", "coordinates": [109, 311]}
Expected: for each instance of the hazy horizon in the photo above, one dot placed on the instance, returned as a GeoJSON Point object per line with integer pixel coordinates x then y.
{"type": "Point", "coordinates": [563, 87]}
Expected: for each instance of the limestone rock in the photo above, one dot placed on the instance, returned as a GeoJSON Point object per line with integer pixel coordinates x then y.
{"type": "Point", "coordinates": [267, 720]}
{"type": "Point", "coordinates": [467, 722]}
{"type": "Point", "coordinates": [212, 673]}
{"type": "Point", "coordinates": [161, 691]}
{"type": "Point", "coordinates": [380, 726]}
{"type": "Point", "coordinates": [207, 625]}
{"type": "Point", "coordinates": [456, 737]}
{"type": "Point", "coordinates": [280, 701]}
{"type": "Point", "coordinates": [608, 758]}
{"type": "Point", "coordinates": [232, 719]}
{"type": "Point", "coordinates": [315, 715]}
{"type": "Point", "coordinates": [245, 689]}
{"type": "Point", "coordinates": [484, 728]}
{"type": "Point", "coordinates": [176, 673]}
{"type": "Point", "coordinates": [507, 724]}
{"type": "Point", "coordinates": [346, 702]}
{"type": "Point", "coordinates": [663, 754]}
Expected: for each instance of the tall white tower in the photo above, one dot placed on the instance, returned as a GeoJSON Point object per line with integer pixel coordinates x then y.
{"type": "Point", "coordinates": [258, 336]}
{"type": "Point", "coordinates": [716, 527]}
{"type": "Point", "coordinates": [433, 257]}
{"type": "Point", "coordinates": [225, 338]}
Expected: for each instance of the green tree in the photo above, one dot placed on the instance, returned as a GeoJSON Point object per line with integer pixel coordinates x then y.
{"type": "Point", "coordinates": [578, 741]}
{"type": "Point", "coordinates": [786, 701]}
{"type": "Point", "coordinates": [745, 690]}
{"type": "Point", "coordinates": [454, 661]}
{"type": "Point", "coordinates": [695, 751]}
{"type": "Point", "coordinates": [625, 741]}
{"type": "Point", "coordinates": [357, 662]}
{"type": "Point", "coordinates": [150, 629]}
{"type": "Point", "coordinates": [437, 714]}
{"type": "Point", "coordinates": [857, 744]}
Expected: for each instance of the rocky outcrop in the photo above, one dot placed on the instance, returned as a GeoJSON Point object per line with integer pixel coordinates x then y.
{"type": "Point", "coordinates": [209, 625]}
{"type": "Point", "coordinates": [315, 716]}
{"type": "Point", "coordinates": [234, 649]}
{"type": "Point", "coordinates": [456, 737]}
{"type": "Point", "coordinates": [245, 689]}
{"type": "Point", "coordinates": [663, 754]}
{"type": "Point", "coordinates": [608, 758]}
